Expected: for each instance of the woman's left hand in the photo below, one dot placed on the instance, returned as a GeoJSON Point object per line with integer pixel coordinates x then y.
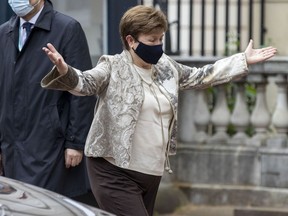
{"type": "Point", "coordinates": [258, 55]}
{"type": "Point", "coordinates": [56, 58]}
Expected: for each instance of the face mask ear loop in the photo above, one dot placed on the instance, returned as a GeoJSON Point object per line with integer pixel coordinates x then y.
{"type": "Point", "coordinates": [136, 41]}
{"type": "Point", "coordinates": [135, 38]}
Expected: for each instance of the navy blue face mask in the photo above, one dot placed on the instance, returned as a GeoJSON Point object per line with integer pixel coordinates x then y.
{"type": "Point", "coordinates": [149, 54]}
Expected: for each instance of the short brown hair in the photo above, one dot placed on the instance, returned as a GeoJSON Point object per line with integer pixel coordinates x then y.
{"type": "Point", "coordinates": [141, 19]}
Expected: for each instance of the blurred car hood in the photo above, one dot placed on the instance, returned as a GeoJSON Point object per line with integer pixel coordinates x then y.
{"type": "Point", "coordinates": [18, 198]}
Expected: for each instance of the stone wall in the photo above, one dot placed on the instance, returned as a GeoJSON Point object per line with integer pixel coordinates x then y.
{"type": "Point", "coordinates": [224, 175]}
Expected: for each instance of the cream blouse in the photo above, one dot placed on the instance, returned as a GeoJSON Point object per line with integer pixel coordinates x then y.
{"type": "Point", "coordinates": [151, 134]}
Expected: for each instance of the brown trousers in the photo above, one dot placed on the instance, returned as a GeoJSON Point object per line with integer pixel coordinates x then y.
{"type": "Point", "coordinates": [120, 191]}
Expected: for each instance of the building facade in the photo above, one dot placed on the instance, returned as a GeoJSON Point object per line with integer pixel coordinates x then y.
{"type": "Point", "coordinates": [197, 28]}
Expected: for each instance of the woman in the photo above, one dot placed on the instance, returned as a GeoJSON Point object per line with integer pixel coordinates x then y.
{"type": "Point", "coordinates": [134, 127]}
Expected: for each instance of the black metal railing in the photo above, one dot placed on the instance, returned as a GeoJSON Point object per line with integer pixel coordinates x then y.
{"type": "Point", "coordinates": [214, 48]}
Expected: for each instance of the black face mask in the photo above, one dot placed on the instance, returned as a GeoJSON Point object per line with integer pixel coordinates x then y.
{"type": "Point", "coordinates": [149, 54]}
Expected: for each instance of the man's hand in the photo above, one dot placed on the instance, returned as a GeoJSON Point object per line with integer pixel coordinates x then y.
{"type": "Point", "coordinates": [73, 157]}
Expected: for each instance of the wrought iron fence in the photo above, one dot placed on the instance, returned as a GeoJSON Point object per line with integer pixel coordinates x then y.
{"type": "Point", "coordinates": [211, 27]}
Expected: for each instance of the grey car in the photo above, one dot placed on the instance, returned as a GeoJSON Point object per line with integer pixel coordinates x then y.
{"type": "Point", "coordinates": [18, 198]}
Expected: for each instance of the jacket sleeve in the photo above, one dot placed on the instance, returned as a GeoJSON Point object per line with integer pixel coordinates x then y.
{"type": "Point", "coordinates": [222, 71]}
{"type": "Point", "coordinates": [81, 109]}
{"type": "Point", "coordinates": [77, 82]}
{"type": "Point", "coordinates": [54, 80]}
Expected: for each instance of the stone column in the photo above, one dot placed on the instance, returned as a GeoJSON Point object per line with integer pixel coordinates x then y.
{"type": "Point", "coordinates": [186, 114]}
{"type": "Point", "coordinates": [220, 117]}
{"type": "Point", "coordinates": [202, 117]}
{"type": "Point", "coordinates": [280, 115]}
{"type": "Point", "coordinates": [240, 117]}
{"type": "Point", "coordinates": [260, 117]}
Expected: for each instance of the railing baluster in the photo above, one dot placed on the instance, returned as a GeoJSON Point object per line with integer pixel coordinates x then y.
{"type": "Point", "coordinates": [191, 28]}
{"type": "Point", "coordinates": [203, 28]}
{"type": "Point", "coordinates": [202, 117]}
{"type": "Point", "coordinates": [262, 26]}
{"type": "Point", "coordinates": [178, 25]}
{"type": "Point", "coordinates": [240, 116]}
{"type": "Point", "coordinates": [215, 15]}
{"type": "Point", "coordinates": [220, 117]}
{"type": "Point", "coordinates": [250, 33]}
{"type": "Point", "coordinates": [226, 26]}
{"type": "Point", "coordinates": [260, 117]}
{"type": "Point", "coordinates": [238, 25]}
{"type": "Point", "coordinates": [280, 115]}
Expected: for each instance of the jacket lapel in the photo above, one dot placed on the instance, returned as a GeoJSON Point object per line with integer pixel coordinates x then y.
{"type": "Point", "coordinates": [13, 31]}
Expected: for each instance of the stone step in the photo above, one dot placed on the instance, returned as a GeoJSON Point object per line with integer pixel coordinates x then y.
{"type": "Point", "coordinates": [260, 212]}
{"type": "Point", "coordinates": [234, 195]}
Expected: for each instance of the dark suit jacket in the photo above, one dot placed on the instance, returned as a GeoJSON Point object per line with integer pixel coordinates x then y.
{"type": "Point", "coordinates": [37, 125]}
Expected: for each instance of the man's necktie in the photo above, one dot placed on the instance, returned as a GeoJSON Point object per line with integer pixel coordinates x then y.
{"type": "Point", "coordinates": [27, 26]}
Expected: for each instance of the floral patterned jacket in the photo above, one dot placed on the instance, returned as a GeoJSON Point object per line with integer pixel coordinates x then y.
{"type": "Point", "coordinates": [120, 96]}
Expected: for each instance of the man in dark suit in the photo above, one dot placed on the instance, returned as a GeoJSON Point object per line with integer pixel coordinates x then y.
{"type": "Point", "coordinates": [42, 132]}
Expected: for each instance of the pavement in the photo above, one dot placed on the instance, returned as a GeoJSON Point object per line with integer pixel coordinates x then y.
{"type": "Point", "coordinates": [205, 210]}
{"type": "Point", "coordinates": [192, 210]}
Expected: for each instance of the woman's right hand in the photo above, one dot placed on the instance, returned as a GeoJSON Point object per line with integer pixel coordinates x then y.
{"type": "Point", "coordinates": [56, 58]}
